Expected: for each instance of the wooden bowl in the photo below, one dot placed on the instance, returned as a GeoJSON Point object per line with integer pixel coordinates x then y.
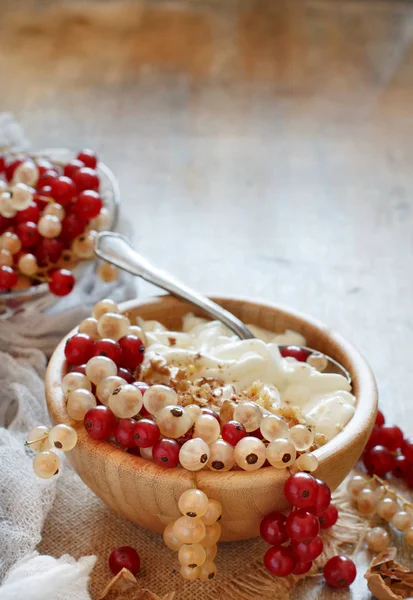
{"type": "Point", "coordinates": [148, 494]}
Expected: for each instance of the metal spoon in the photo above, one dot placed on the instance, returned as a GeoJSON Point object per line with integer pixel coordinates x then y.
{"type": "Point", "coordinates": [117, 250]}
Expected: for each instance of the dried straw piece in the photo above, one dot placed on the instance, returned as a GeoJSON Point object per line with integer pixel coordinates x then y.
{"type": "Point", "coordinates": [124, 586]}
{"type": "Point", "coordinates": [387, 579]}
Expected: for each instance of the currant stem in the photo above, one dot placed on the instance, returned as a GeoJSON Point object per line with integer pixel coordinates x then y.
{"type": "Point", "coordinates": [42, 439]}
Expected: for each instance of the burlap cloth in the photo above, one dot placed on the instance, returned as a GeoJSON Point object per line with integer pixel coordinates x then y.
{"type": "Point", "coordinates": [80, 524]}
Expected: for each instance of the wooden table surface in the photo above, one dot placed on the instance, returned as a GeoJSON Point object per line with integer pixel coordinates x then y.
{"type": "Point", "coordinates": [263, 148]}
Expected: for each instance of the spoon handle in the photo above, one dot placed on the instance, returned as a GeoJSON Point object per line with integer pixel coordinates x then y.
{"type": "Point", "coordinates": [117, 250]}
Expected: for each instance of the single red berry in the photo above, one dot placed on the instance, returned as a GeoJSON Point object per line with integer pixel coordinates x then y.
{"type": "Point", "coordinates": [79, 349]}
{"type": "Point", "coordinates": [279, 561]}
{"type": "Point", "coordinates": [61, 282]}
{"type": "Point", "coordinates": [31, 213]}
{"type": "Point", "coordinates": [12, 167]}
{"type": "Point", "coordinates": [109, 348]}
{"type": "Point", "coordinates": [88, 204]}
{"type": "Point", "coordinates": [44, 165]}
{"type": "Point", "coordinates": [8, 278]}
{"type": "Point", "coordinates": [71, 167]}
{"type": "Point", "coordinates": [145, 413]}
{"type": "Point", "coordinates": [272, 529]}
{"type": "Point", "coordinates": [62, 189]}
{"type": "Point", "coordinates": [2, 163]}
{"type": "Point", "coordinates": [233, 432]}
{"type": "Point", "coordinates": [72, 227]}
{"type": "Point", "coordinates": [142, 386]}
{"type": "Point", "coordinates": [329, 517]}
{"type": "Point", "coordinates": [340, 572]}
{"type": "Point", "coordinates": [301, 490]}
{"type": "Point", "coordinates": [125, 374]}
{"type": "Point", "coordinates": [306, 551]}
{"type": "Point", "coordinates": [132, 350]}
{"type": "Point", "coordinates": [100, 422]}
{"type": "Point", "coordinates": [400, 466]}
{"type": "Point", "coordinates": [302, 526]}
{"type": "Point", "coordinates": [380, 420]}
{"type": "Point", "coordinates": [300, 354]}
{"type": "Point", "coordinates": [88, 157]}
{"type": "Point", "coordinates": [5, 223]}
{"type": "Point", "coordinates": [124, 557]}
{"type": "Point", "coordinates": [28, 234]}
{"type": "Point", "coordinates": [257, 434]}
{"type": "Point", "coordinates": [48, 251]}
{"type": "Point", "coordinates": [86, 179]}
{"type": "Point", "coordinates": [374, 439]}
{"type": "Point", "coordinates": [145, 433]}
{"type": "Point", "coordinates": [407, 449]}
{"type": "Point", "coordinates": [166, 453]}
{"type": "Point", "coordinates": [45, 181]}
{"type": "Point", "coordinates": [378, 460]}
{"type": "Point", "coordinates": [208, 411]}
{"type": "Point", "coordinates": [79, 369]}
{"type": "Point", "coordinates": [323, 498]}
{"type": "Point", "coordinates": [124, 432]}
{"type": "Point", "coordinates": [391, 437]}
{"type": "Point", "coordinates": [302, 567]}
{"type": "Point", "coordinates": [408, 478]}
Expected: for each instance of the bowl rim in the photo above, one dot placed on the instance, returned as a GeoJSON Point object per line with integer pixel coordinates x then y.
{"type": "Point", "coordinates": [362, 378]}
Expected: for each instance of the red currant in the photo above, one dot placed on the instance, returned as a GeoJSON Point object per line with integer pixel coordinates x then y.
{"type": "Point", "coordinates": [133, 351]}
{"type": "Point", "coordinates": [2, 163]}
{"type": "Point", "coordinates": [44, 165]}
{"type": "Point", "coordinates": [124, 432]}
{"type": "Point", "coordinates": [124, 557]}
{"type": "Point", "coordinates": [400, 466]}
{"type": "Point", "coordinates": [380, 420]}
{"type": "Point", "coordinates": [145, 433]}
{"type": "Point", "coordinates": [79, 349]}
{"type": "Point", "coordinates": [257, 434]}
{"type": "Point", "coordinates": [378, 460]}
{"type": "Point", "coordinates": [340, 572]}
{"type": "Point", "coordinates": [61, 282]}
{"type": "Point", "coordinates": [302, 567]}
{"type": "Point", "coordinates": [301, 490]}
{"type": "Point", "coordinates": [109, 348]}
{"type": "Point", "coordinates": [409, 477]}
{"type": "Point", "coordinates": [302, 526]}
{"type": "Point", "coordinates": [208, 411]}
{"type": "Point", "coordinates": [272, 528]}
{"type": "Point", "coordinates": [88, 204]}
{"type": "Point", "coordinates": [79, 369]}
{"type": "Point", "coordinates": [142, 386]}
{"type": "Point", "coordinates": [100, 422]}
{"type": "Point", "coordinates": [306, 551]}
{"type": "Point", "coordinates": [166, 453]}
{"type": "Point", "coordinates": [374, 439]}
{"type": "Point", "coordinates": [72, 227]}
{"type": "Point", "coordinates": [8, 278]}
{"type": "Point", "coordinates": [407, 449]}
{"type": "Point", "coordinates": [233, 432]}
{"type": "Point", "coordinates": [31, 213]}
{"type": "Point", "coordinates": [28, 234]}
{"type": "Point", "coordinates": [62, 189]}
{"type": "Point", "coordinates": [125, 374]}
{"type": "Point", "coordinates": [71, 167]}
{"type": "Point", "coordinates": [323, 498]}
{"type": "Point", "coordinates": [45, 181]}
{"type": "Point", "coordinates": [5, 223]}
{"type": "Point", "coordinates": [279, 561]}
{"type": "Point", "coordinates": [88, 157]}
{"type": "Point", "coordinates": [391, 437]}
{"type": "Point", "coordinates": [12, 167]}
{"type": "Point", "coordinates": [329, 517]}
{"type": "Point", "coordinates": [48, 251]}
{"type": "Point", "coordinates": [300, 354]}
{"type": "Point", "coordinates": [86, 179]}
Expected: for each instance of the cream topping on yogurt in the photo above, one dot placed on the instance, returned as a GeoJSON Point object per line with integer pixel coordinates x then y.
{"type": "Point", "coordinates": [252, 369]}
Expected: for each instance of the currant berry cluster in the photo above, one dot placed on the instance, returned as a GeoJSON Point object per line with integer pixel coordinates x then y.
{"type": "Point", "coordinates": [195, 535]}
{"type": "Point", "coordinates": [49, 217]}
{"type": "Point", "coordinates": [103, 389]}
{"type": "Point", "coordinates": [42, 440]}
{"type": "Point", "coordinates": [388, 451]}
{"type": "Point", "coordinates": [295, 540]}
{"type": "Point", "coordinates": [375, 497]}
